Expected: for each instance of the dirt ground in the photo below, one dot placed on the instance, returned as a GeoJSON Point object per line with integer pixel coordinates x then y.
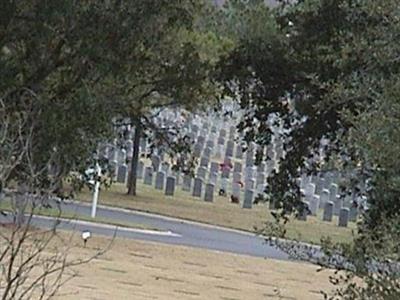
{"type": "Point", "coordinates": [144, 270]}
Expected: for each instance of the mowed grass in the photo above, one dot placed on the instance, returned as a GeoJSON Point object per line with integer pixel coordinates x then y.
{"type": "Point", "coordinates": [221, 212]}
{"type": "Point", "coordinates": [145, 270]}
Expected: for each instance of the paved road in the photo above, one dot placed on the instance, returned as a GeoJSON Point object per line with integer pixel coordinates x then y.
{"type": "Point", "coordinates": [182, 232]}
{"type": "Point", "coordinates": [191, 234]}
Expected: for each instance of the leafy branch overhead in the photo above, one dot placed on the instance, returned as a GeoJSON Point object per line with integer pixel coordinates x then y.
{"type": "Point", "coordinates": [328, 71]}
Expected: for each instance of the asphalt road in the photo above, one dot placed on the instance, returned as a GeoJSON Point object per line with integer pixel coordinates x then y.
{"type": "Point", "coordinates": [173, 231]}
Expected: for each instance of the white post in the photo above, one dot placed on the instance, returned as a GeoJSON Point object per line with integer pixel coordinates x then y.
{"type": "Point", "coordinates": [96, 190]}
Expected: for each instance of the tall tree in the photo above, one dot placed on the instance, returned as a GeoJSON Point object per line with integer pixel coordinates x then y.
{"type": "Point", "coordinates": [47, 66]}
{"type": "Point", "coordinates": [329, 72]}
{"type": "Point", "coordinates": [318, 66]}
{"type": "Point", "coordinates": [50, 123]}
{"type": "Point", "coordinates": [169, 65]}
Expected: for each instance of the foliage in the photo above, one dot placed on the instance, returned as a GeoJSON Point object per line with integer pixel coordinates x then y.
{"type": "Point", "coordinates": [168, 64]}
{"type": "Point", "coordinates": [328, 71]}
{"type": "Point", "coordinates": [322, 68]}
{"type": "Point", "coordinates": [47, 69]}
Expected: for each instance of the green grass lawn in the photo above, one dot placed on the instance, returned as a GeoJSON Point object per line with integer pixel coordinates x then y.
{"type": "Point", "coordinates": [221, 212]}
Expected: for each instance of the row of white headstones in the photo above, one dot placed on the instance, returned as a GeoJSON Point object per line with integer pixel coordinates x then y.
{"type": "Point", "coordinates": [214, 145]}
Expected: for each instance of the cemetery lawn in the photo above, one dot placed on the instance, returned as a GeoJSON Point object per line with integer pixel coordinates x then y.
{"type": "Point", "coordinates": [146, 270]}
{"type": "Point", "coordinates": [220, 212]}
{"type": "Point", "coordinates": [51, 212]}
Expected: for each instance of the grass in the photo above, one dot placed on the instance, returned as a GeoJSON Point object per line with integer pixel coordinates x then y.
{"type": "Point", "coordinates": [145, 270]}
{"type": "Point", "coordinates": [221, 212]}
{"type": "Point", "coordinates": [52, 212]}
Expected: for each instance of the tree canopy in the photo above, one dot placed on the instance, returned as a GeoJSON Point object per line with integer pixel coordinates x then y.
{"type": "Point", "coordinates": [169, 64]}
{"type": "Point", "coordinates": [325, 67]}
{"type": "Point", "coordinates": [47, 67]}
{"type": "Point", "coordinates": [72, 66]}
{"type": "Point", "coordinates": [329, 70]}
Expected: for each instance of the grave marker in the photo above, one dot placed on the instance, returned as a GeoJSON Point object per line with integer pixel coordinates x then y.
{"type": "Point", "coordinates": [213, 177]}
{"type": "Point", "coordinates": [237, 167]}
{"type": "Point", "coordinates": [155, 162]}
{"type": "Point", "coordinates": [201, 172]}
{"type": "Point", "coordinates": [214, 167]}
{"type": "Point", "coordinates": [148, 176]}
{"type": "Point", "coordinates": [197, 188]}
{"type": "Point", "coordinates": [187, 183]}
{"type": "Point", "coordinates": [325, 197]}
{"type": "Point", "coordinates": [239, 152]}
{"type": "Point", "coordinates": [204, 161]}
{"type": "Point", "coordinates": [207, 152]}
{"type": "Point", "coordinates": [249, 184]}
{"type": "Point", "coordinates": [121, 173]}
{"type": "Point", "coordinates": [170, 186]}
{"type": "Point", "coordinates": [236, 190]}
{"type": "Point", "coordinates": [140, 170]}
{"type": "Point", "coordinates": [328, 211]}
{"type": "Point", "coordinates": [248, 199]}
{"type": "Point", "coordinates": [314, 204]}
{"type": "Point", "coordinates": [343, 217]}
{"type": "Point", "coordinates": [160, 178]}
{"type": "Point", "coordinates": [229, 148]}
{"type": "Point", "coordinates": [249, 158]}
{"type": "Point", "coordinates": [197, 150]}
{"type": "Point", "coordinates": [310, 190]}
{"type": "Point", "coordinates": [165, 167]}
{"type": "Point", "coordinates": [209, 193]}
{"type": "Point", "coordinates": [353, 213]}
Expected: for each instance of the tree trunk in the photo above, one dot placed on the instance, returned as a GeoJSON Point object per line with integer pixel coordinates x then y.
{"type": "Point", "coordinates": [135, 157]}
{"type": "Point", "coordinates": [20, 204]}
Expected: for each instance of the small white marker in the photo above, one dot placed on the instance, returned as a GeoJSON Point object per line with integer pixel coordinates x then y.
{"type": "Point", "coordinates": [86, 235]}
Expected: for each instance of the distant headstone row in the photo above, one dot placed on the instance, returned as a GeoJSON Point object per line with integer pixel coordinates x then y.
{"type": "Point", "coordinates": [226, 168]}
